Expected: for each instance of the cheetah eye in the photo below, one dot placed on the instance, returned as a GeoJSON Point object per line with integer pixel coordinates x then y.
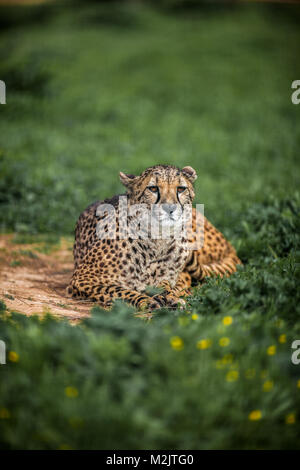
{"type": "Point", "coordinates": [181, 189]}
{"type": "Point", "coordinates": [153, 189]}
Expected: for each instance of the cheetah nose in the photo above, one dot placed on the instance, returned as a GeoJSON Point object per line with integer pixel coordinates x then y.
{"type": "Point", "coordinates": [169, 208]}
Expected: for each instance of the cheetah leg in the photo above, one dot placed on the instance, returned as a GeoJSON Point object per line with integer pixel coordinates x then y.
{"type": "Point", "coordinates": [183, 284]}
{"type": "Point", "coordinates": [181, 289]}
{"type": "Point", "coordinates": [224, 267]}
{"type": "Point", "coordinates": [105, 294]}
{"type": "Point", "coordinates": [216, 256]}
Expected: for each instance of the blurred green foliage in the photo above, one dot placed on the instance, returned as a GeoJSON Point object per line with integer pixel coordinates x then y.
{"type": "Point", "coordinates": [111, 87]}
{"type": "Point", "coordinates": [104, 88]}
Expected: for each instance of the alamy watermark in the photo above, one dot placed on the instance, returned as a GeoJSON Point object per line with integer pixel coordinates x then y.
{"type": "Point", "coordinates": [296, 94]}
{"type": "Point", "coordinates": [2, 352]}
{"type": "Point", "coordinates": [296, 354]}
{"type": "Point", "coordinates": [154, 222]}
{"type": "Point", "coordinates": [2, 92]}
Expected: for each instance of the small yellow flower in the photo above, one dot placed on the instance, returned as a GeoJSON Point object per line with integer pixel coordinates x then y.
{"type": "Point", "coordinates": [224, 341]}
{"type": "Point", "coordinates": [176, 343]}
{"type": "Point", "coordinates": [195, 316]}
{"type": "Point", "coordinates": [271, 350]}
{"type": "Point", "coordinates": [290, 418]}
{"type": "Point", "coordinates": [227, 321]}
{"type": "Point", "coordinates": [65, 447]}
{"type": "Point", "coordinates": [227, 359]}
{"type": "Point", "coordinates": [71, 392]}
{"type": "Point", "coordinates": [298, 383]}
{"type": "Point", "coordinates": [232, 375]}
{"type": "Point", "coordinates": [204, 344]}
{"type": "Point", "coordinates": [282, 339]}
{"type": "Point", "coordinates": [268, 385]}
{"type": "Point", "coordinates": [13, 356]}
{"type": "Point", "coordinates": [250, 373]}
{"type": "Point", "coordinates": [255, 415]}
{"type": "Point", "coordinates": [4, 413]}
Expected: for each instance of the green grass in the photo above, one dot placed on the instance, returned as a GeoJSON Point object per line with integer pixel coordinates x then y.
{"type": "Point", "coordinates": [91, 92]}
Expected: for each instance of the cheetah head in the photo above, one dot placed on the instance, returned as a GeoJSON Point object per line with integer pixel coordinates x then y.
{"type": "Point", "coordinates": [164, 188]}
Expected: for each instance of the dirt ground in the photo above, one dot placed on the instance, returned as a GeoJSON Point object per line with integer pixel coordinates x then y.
{"type": "Point", "coordinates": [33, 280]}
{"type": "Point", "coordinates": [34, 276]}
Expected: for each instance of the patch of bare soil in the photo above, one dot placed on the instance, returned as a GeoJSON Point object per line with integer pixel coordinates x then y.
{"type": "Point", "coordinates": [34, 282]}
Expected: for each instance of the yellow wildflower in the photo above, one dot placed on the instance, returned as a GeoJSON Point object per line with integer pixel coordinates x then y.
{"type": "Point", "coordinates": [232, 375]}
{"type": "Point", "coordinates": [65, 447]}
{"type": "Point", "coordinates": [71, 392]}
{"type": "Point", "coordinates": [227, 321]}
{"type": "Point", "coordinates": [290, 418]}
{"type": "Point", "coordinates": [282, 339]}
{"type": "Point", "coordinates": [224, 341]}
{"type": "Point", "coordinates": [204, 343]}
{"type": "Point", "coordinates": [176, 343]}
{"type": "Point", "coordinates": [13, 356]}
{"type": "Point", "coordinates": [268, 385]}
{"type": "Point", "coordinates": [271, 350]}
{"type": "Point", "coordinates": [227, 359]}
{"type": "Point", "coordinates": [195, 316]}
{"type": "Point", "coordinates": [255, 415]}
{"type": "Point", "coordinates": [4, 413]}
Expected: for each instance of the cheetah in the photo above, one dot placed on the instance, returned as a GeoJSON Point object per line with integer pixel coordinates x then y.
{"type": "Point", "coordinates": [114, 262]}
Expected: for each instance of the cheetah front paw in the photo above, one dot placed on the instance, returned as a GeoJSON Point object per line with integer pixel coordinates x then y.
{"type": "Point", "coordinates": [175, 302]}
{"type": "Point", "coordinates": [157, 301]}
{"type": "Point", "coordinates": [152, 303]}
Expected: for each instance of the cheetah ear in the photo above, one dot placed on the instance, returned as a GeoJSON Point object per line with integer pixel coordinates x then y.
{"type": "Point", "coordinates": [189, 173]}
{"type": "Point", "coordinates": [127, 180]}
